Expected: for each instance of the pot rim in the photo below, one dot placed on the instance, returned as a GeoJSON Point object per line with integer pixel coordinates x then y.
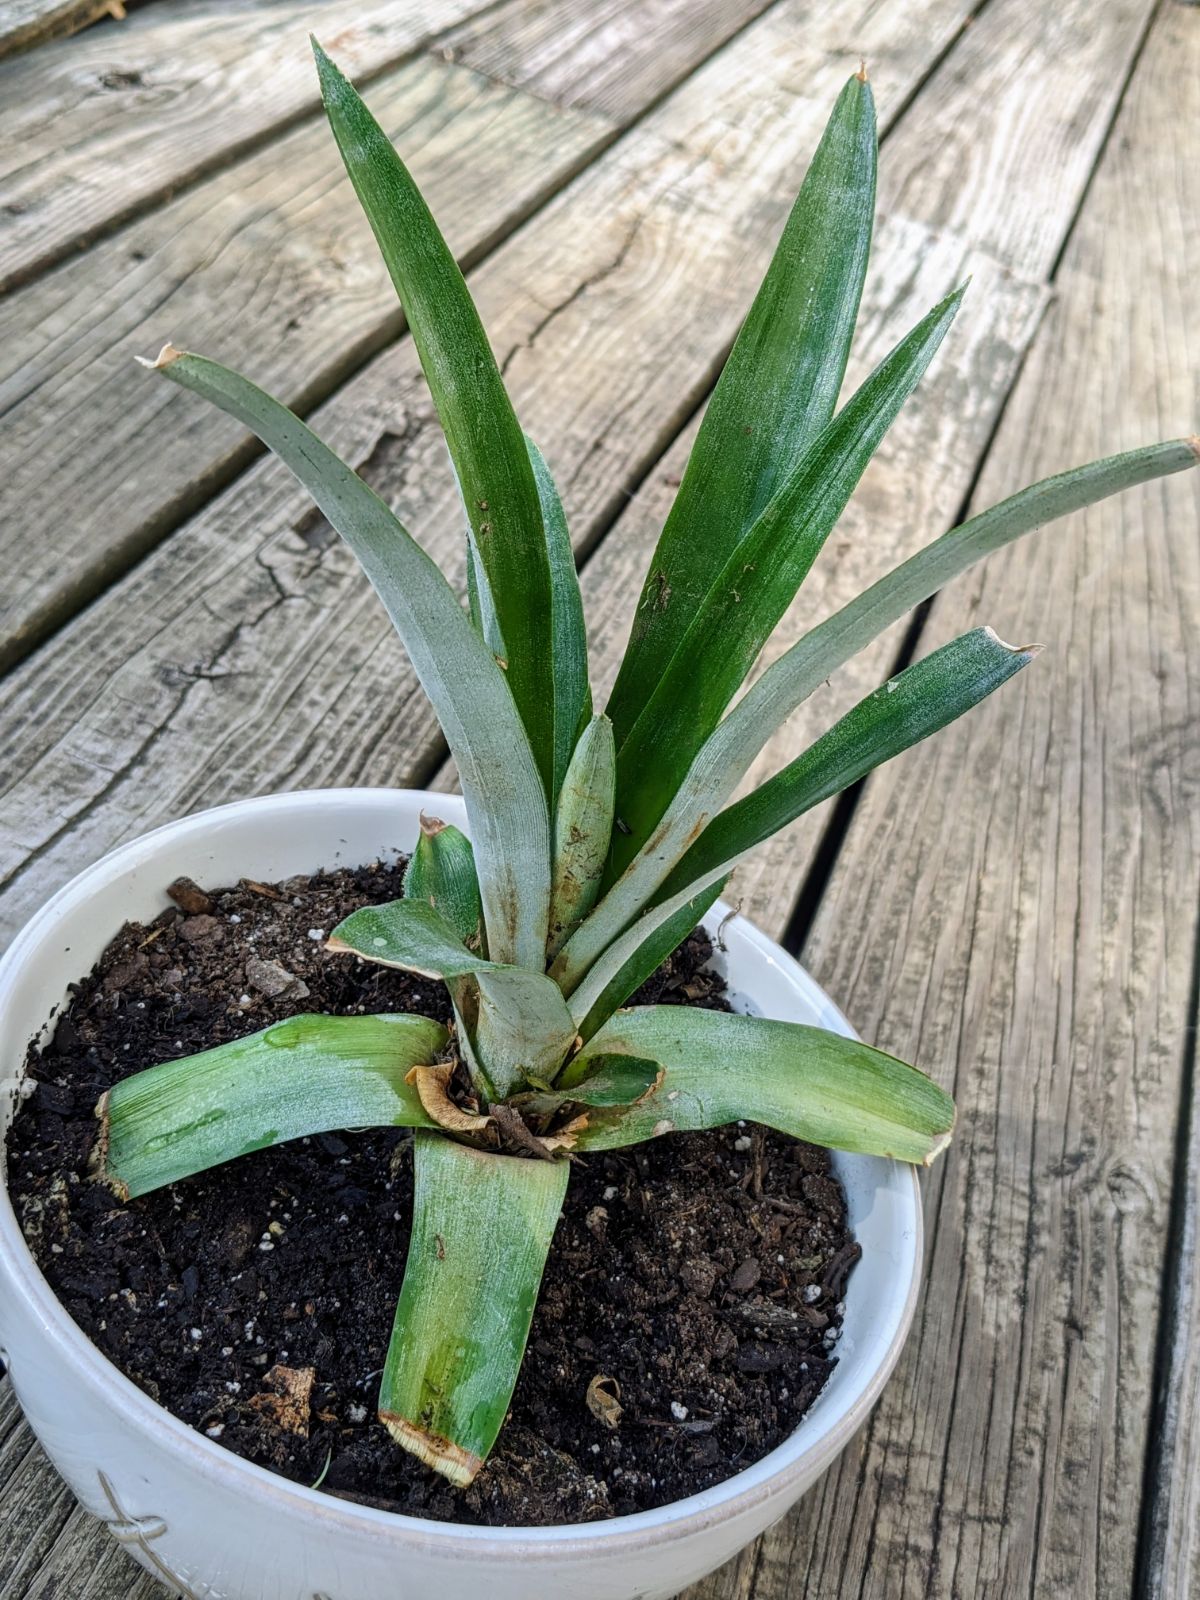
{"type": "Point", "coordinates": [811, 1447]}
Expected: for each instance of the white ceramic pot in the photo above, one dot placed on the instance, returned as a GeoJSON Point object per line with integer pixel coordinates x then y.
{"type": "Point", "coordinates": [209, 1524]}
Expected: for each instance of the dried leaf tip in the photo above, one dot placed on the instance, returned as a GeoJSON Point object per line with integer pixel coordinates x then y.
{"type": "Point", "coordinates": [442, 1454]}
{"type": "Point", "coordinates": [98, 1161]}
{"type": "Point", "coordinates": [1193, 443]}
{"type": "Point", "coordinates": [861, 74]}
{"type": "Point", "coordinates": [432, 1084]}
{"type": "Point", "coordinates": [937, 1147]}
{"type": "Point", "coordinates": [1014, 649]}
{"type": "Point", "coordinates": [164, 358]}
{"type": "Point", "coordinates": [431, 826]}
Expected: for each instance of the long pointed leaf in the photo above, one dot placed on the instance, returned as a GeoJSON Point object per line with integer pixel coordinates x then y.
{"type": "Point", "coordinates": [310, 1074]}
{"type": "Point", "coordinates": [755, 588]}
{"type": "Point", "coordinates": [482, 1227]}
{"type": "Point", "coordinates": [737, 740]}
{"type": "Point", "coordinates": [803, 1081]}
{"type": "Point", "coordinates": [828, 646]}
{"type": "Point", "coordinates": [506, 802]}
{"type": "Point", "coordinates": [572, 692]}
{"type": "Point", "coordinates": [523, 1027]}
{"type": "Point", "coordinates": [648, 957]}
{"type": "Point", "coordinates": [485, 439]}
{"type": "Point", "coordinates": [777, 391]}
{"type": "Point", "coordinates": [917, 702]}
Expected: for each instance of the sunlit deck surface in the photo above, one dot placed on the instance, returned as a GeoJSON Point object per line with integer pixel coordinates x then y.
{"type": "Point", "coordinates": [1013, 905]}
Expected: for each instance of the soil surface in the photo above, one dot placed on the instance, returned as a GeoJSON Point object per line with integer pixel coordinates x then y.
{"type": "Point", "coordinates": [697, 1278]}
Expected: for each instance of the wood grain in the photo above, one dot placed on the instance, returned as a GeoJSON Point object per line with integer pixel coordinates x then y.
{"type": "Point", "coordinates": [96, 129]}
{"type": "Point", "coordinates": [1170, 1554]}
{"type": "Point", "coordinates": [24, 23]}
{"type": "Point", "coordinates": [1014, 905]}
{"type": "Point", "coordinates": [269, 266]}
{"type": "Point", "coordinates": [231, 664]}
{"type": "Point", "coordinates": [581, 54]}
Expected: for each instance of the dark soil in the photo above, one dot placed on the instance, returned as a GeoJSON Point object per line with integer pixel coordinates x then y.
{"type": "Point", "coordinates": [701, 1274]}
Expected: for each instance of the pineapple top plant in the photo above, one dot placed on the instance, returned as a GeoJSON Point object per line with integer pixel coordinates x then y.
{"type": "Point", "coordinates": [597, 840]}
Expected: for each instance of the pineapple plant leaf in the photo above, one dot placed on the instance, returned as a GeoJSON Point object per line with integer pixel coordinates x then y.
{"type": "Point", "coordinates": [755, 586]}
{"type": "Point", "coordinates": [310, 1074]}
{"type": "Point", "coordinates": [482, 1227]}
{"type": "Point", "coordinates": [596, 841]}
{"type": "Point", "coordinates": [775, 394]}
{"type": "Point", "coordinates": [505, 524]}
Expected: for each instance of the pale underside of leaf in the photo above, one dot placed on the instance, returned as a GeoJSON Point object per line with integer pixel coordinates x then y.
{"type": "Point", "coordinates": [916, 703]}
{"type": "Point", "coordinates": [583, 823]}
{"type": "Point", "coordinates": [805, 1082]}
{"type": "Point", "coordinates": [308, 1075]}
{"type": "Point", "coordinates": [482, 1227]}
{"type": "Point", "coordinates": [522, 1025]}
{"type": "Point", "coordinates": [738, 739]}
{"type": "Point", "coordinates": [504, 794]}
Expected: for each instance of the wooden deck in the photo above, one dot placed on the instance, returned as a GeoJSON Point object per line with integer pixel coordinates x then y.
{"type": "Point", "coordinates": [1014, 904]}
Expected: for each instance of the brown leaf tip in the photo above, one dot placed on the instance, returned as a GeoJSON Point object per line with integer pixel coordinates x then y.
{"type": "Point", "coordinates": [431, 826]}
{"type": "Point", "coordinates": [1193, 443]}
{"type": "Point", "coordinates": [861, 74]}
{"type": "Point", "coordinates": [436, 1451]}
{"type": "Point", "coordinates": [432, 1084]}
{"type": "Point", "coordinates": [98, 1160]}
{"type": "Point", "coordinates": [164, 358]}
{"type": "Point", "coordinates": [936, 1148]}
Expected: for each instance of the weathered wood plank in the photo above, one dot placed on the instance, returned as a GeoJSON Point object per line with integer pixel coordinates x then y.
{"type": "Point", "coordinates": [944, 220]}
{"type": "Point", "coordinates": [237, 669]}
{"type": "Point", "coordinates": [96, 129]}
{"type": "Point", "coordinates": [1171, 1549]}
{"type": "Point", "coordinates": [85, 1563]}
{"type": "Point", "coordinates": [24, 23]}
{"type": "Point", "coordinates": [581, 56]}
{"type": "Point", "coordinates": [1015, 906]}
{"type": "Point", "coordinates": [35, 1505]}
{"type": "Point", "coordinates": [1026, 175]}
{"type": "Point", "coordinates": [229, 664]}
{"type": "Point", "coordinates": [102, 462]}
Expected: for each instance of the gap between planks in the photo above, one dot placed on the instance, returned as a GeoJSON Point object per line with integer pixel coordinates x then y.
{"type": "Point", "coordinates": [278, 233]}
{"type": "Point", "coordinates": [96, 130]}
{"type": "Point", "coordinates": [1039, 933]}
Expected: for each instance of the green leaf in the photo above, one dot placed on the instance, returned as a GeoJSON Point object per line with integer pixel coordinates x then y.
{"type": "Point", "coordinates": [485, 439]}
{"type": "Point", "coordinates": [777, 391]}
{"type": "Point", "coordinates": [572, 693]}
{"type": "Point", "coordinates": [790, 680]}
{"type": "Point", "coordinates": [600, 1081]}
{"type": "Point", "coordinates": [482, 1227]}
{"type": "Point", "coordinates": [442, 873]}
{"type": "Point", "coordinates": [521, 1025]}
{"type": "Point", "coordinates": [917, 702]}
{"type": "Point", "coordinates": [612, 1080]}
{"type": "Point", "coordinates": [737, 740]}
{"type": "Point", "coordinates": [582, 831]}
{"type": "Point", "coordinates": [755, 587]}
{"type": "Point", "coordinates": [506, 803]}
{"type": "Point", "coordinates": [307, 1075]}
{"type": "Point", "coordinates": [648, 957]}
{"type": "Point", "coordinates": [803, 1081]}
